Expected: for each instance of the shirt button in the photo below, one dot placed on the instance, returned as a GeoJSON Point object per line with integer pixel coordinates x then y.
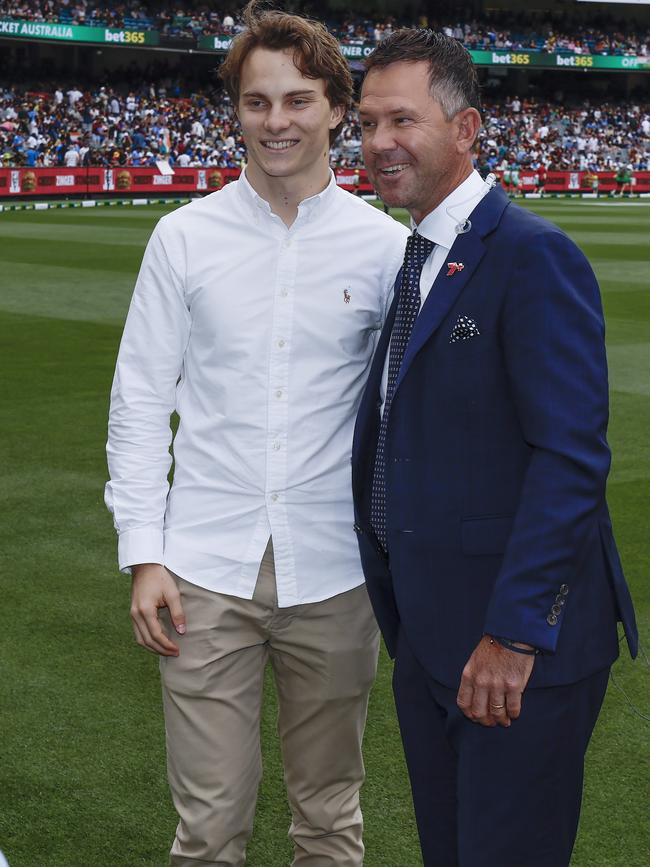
{"type": "Point", "coordinates": [278, 393]}
{"type": "Point", "coordinates": [274, 497]}
{"type": "Point", "coordinates": [276, 446]}
{"type": "Point", "coordinates": [287, 243]}
{"type": "Point", "coordinates": [280, 343]}
{"type": "Point", "coordinates": [284, 292]}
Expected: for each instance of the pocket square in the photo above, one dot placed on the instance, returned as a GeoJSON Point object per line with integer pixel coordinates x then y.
{"type": "Point", "coordinates": [464, 329]}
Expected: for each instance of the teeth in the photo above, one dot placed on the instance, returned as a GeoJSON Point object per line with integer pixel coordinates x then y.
{"type": "Point", "coordinates": [393, 170]}
{"type": "Point", "coordinates": [280, 145]}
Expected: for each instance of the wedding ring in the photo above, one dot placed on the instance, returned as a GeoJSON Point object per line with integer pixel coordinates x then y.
{"type": "Point", "coordinates": [497, 706]}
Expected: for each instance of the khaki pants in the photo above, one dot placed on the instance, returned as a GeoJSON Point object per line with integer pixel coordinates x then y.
{"type": "Point", "coordinates": [324, 659]}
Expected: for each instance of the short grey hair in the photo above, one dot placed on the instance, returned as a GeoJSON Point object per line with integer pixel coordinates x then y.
{"type": "Point", "coordinates": [454, 81]}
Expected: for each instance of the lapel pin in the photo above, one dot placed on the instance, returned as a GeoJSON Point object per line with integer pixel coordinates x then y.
{"type": "Point", "coordinates": [346, 296]}
{"type": "Point", "coordinates": [453, 267]}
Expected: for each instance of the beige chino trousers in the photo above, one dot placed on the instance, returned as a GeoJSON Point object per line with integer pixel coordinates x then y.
{"type": "Point", "coordinates": [324, 659]}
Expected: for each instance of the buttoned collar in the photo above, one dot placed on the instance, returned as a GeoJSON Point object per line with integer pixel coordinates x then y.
{"type": "Point", "coordinates": [440, 225]}
{"type": "Point", "coordinates": [306, 209]}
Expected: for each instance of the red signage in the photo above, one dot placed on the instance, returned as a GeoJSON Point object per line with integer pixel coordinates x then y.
{"type": "Point", "coordinates": [134, 180]}
{"type": "Point", "coordinates": [526, 181]}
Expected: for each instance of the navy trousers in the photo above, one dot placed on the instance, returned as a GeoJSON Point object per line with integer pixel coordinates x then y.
{"type": "Point", "coordinates": [495, 797]}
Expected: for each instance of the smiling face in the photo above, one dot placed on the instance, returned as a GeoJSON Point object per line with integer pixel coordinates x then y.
{"type": "Point", "coordinates": [285, 117]}
{"type": "Point", "coordinates": [414, 156]}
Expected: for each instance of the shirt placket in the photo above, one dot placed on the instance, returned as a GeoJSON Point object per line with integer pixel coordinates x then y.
{"type": "Point", "coordinates": [279, 398]}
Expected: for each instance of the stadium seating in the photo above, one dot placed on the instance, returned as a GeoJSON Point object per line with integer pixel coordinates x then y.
{"type": "Point", "coordinates": [108, 128]}
{"type": "Point", "coordinates": [186, 20]}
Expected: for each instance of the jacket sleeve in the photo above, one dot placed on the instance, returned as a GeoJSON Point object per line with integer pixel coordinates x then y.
{"type": "Point", "coordinates": [554, 350]}
{"type": "Point", "coordinates": [143, 397]}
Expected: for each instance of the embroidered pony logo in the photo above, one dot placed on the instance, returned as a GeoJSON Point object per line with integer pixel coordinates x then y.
{"type": "Point", "coordinates": [346, 296]}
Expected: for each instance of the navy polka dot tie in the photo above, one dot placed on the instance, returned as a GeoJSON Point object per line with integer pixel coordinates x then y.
{"type": "Point", "coordinates": [408, 307]}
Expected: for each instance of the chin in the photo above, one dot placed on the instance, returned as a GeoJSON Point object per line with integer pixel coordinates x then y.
{"type": "Point", "coordinates": [280, 171]}
{"type": "Point", "coordinates": [392, 198]}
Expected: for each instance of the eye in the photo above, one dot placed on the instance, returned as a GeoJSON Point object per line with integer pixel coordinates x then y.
{"type": "Point", "coordinates": [299, 102]}
{"type": "Point", "coordinates": [402, 120]}
{"type": "Point", "coordinates": [367, 124]}
{"type": "Point", "coordinates": [255, 103]}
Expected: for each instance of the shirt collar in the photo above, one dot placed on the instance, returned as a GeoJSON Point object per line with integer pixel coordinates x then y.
{"type": "Point", "coordinates": [306, 209]}
{"type": "Point", "coordinates": [440, 225]}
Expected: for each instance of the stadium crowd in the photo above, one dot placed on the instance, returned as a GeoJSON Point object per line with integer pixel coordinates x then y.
{"type": "Point", "coordinates": [101, 126]}
{"type": "Point", "coordinates": [185, 20]}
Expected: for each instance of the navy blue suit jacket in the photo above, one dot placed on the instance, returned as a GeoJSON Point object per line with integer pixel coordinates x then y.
{"type": "Point", "coordinates": [496, 461]}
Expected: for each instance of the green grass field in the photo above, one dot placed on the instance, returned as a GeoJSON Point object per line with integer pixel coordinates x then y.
{"type": "Point", "coordinates": [82, 771]}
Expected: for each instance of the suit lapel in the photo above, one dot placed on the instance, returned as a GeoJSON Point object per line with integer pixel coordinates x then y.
{"type": "Point", "coordinates": [468, 249]}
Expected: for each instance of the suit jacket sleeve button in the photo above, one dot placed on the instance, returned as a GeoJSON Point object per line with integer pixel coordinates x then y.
{"type": "Point", "coordinates": [564, 589]}
{"type": "Point", "coordinates": [556, 609]}
{"type": "Point", "coordinates": [552, 620]}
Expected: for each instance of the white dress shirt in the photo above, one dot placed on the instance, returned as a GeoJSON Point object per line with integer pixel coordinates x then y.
{"type": "Point", "coordinates": [440, 226]}
{"type": "Point", "coordinates": [260, 337]}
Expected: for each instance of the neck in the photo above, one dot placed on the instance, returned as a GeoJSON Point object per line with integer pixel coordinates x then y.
{"type": "Point", "coordinates": [285, 194]}
{"type": "Point", "coordinates": [447, 185]}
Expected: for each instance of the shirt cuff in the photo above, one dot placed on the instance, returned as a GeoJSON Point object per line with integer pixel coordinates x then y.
{"type": "Point", "coordinates": [142, 545]}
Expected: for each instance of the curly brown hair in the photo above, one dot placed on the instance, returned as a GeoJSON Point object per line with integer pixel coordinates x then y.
{"type": "Point", "coordinates": [316, 53]}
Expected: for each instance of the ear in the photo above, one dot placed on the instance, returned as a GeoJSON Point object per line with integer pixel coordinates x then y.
{"type": "Point", "coordinates": [337, 113]}
{"type": "Point", "coordinates": [468, 124]}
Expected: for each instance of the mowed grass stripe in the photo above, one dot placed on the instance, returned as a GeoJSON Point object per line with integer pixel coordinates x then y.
{"type": "Point", "coordinates": [597, 219]}
{"type": "Point", "coordinates": [620, 330]}
{"type": "Point", "coordinates": [617, 275]}
{"type": "Point", "coordinates": [619, 302]}
{"type": "Point", "coordinates": [630, 368]}
{"type": "Point", "coordinates": [622, 244]}
{"type": "Point", "coordinates": [611, 250]}
{"type": "Point", "coordinates": [128, 217]}
{"type": "Point", "coordinates": [64, 292]}
{"type": "Point", "coordinates": [88, 254]}
{"type": "Point", "coordinates": [77, 233]}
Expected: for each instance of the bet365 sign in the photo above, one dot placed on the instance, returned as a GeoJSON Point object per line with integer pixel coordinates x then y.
{"type": "Point", "coordinates": [74, 33]}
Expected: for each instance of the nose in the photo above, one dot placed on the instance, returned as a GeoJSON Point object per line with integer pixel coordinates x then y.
{"type": "Point", "coordinates": [276, 120]}
{"type": "Point", "coordinates": [379, 140]}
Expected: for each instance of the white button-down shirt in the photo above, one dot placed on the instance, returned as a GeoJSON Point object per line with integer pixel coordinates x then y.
{"type": "Point", "coordinates": [260, 337]}
{"type": "Point", "coordinates": [440, 226]}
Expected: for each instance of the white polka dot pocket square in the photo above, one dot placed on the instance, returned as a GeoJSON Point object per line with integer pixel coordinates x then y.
{"type": "Point", "coordinates": [464, 329]}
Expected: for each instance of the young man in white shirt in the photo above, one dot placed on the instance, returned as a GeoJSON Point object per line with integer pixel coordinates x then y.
{"type": "Point", "coordinates": [255, 317]}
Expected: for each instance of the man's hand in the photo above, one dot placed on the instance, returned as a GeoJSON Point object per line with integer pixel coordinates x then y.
{"type": "Point", "coordinates": [153, 588]}
{"type": "Point", "coordinates": [493, 682]}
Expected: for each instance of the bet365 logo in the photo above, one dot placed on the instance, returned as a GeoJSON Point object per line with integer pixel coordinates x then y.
{"type": "Point", "coordinates": [129, 37]}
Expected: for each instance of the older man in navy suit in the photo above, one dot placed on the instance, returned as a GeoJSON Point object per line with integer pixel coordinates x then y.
{"type": "Point", "coordinates": [479, 470]}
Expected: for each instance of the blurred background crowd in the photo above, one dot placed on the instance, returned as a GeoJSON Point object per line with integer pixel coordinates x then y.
{"type": "Point", "coordinates": [104, 127]}
{"type": "Point", "coordinates": [184, 19]}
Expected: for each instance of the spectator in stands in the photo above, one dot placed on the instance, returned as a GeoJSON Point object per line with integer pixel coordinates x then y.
{"type": "Point", "coordinates": [72, 157]}
{"type": "Point", "coordinates": [74, 95]}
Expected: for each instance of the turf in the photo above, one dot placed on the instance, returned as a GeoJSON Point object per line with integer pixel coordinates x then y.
{"type": "Point", "coordinates": [82, 776]}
